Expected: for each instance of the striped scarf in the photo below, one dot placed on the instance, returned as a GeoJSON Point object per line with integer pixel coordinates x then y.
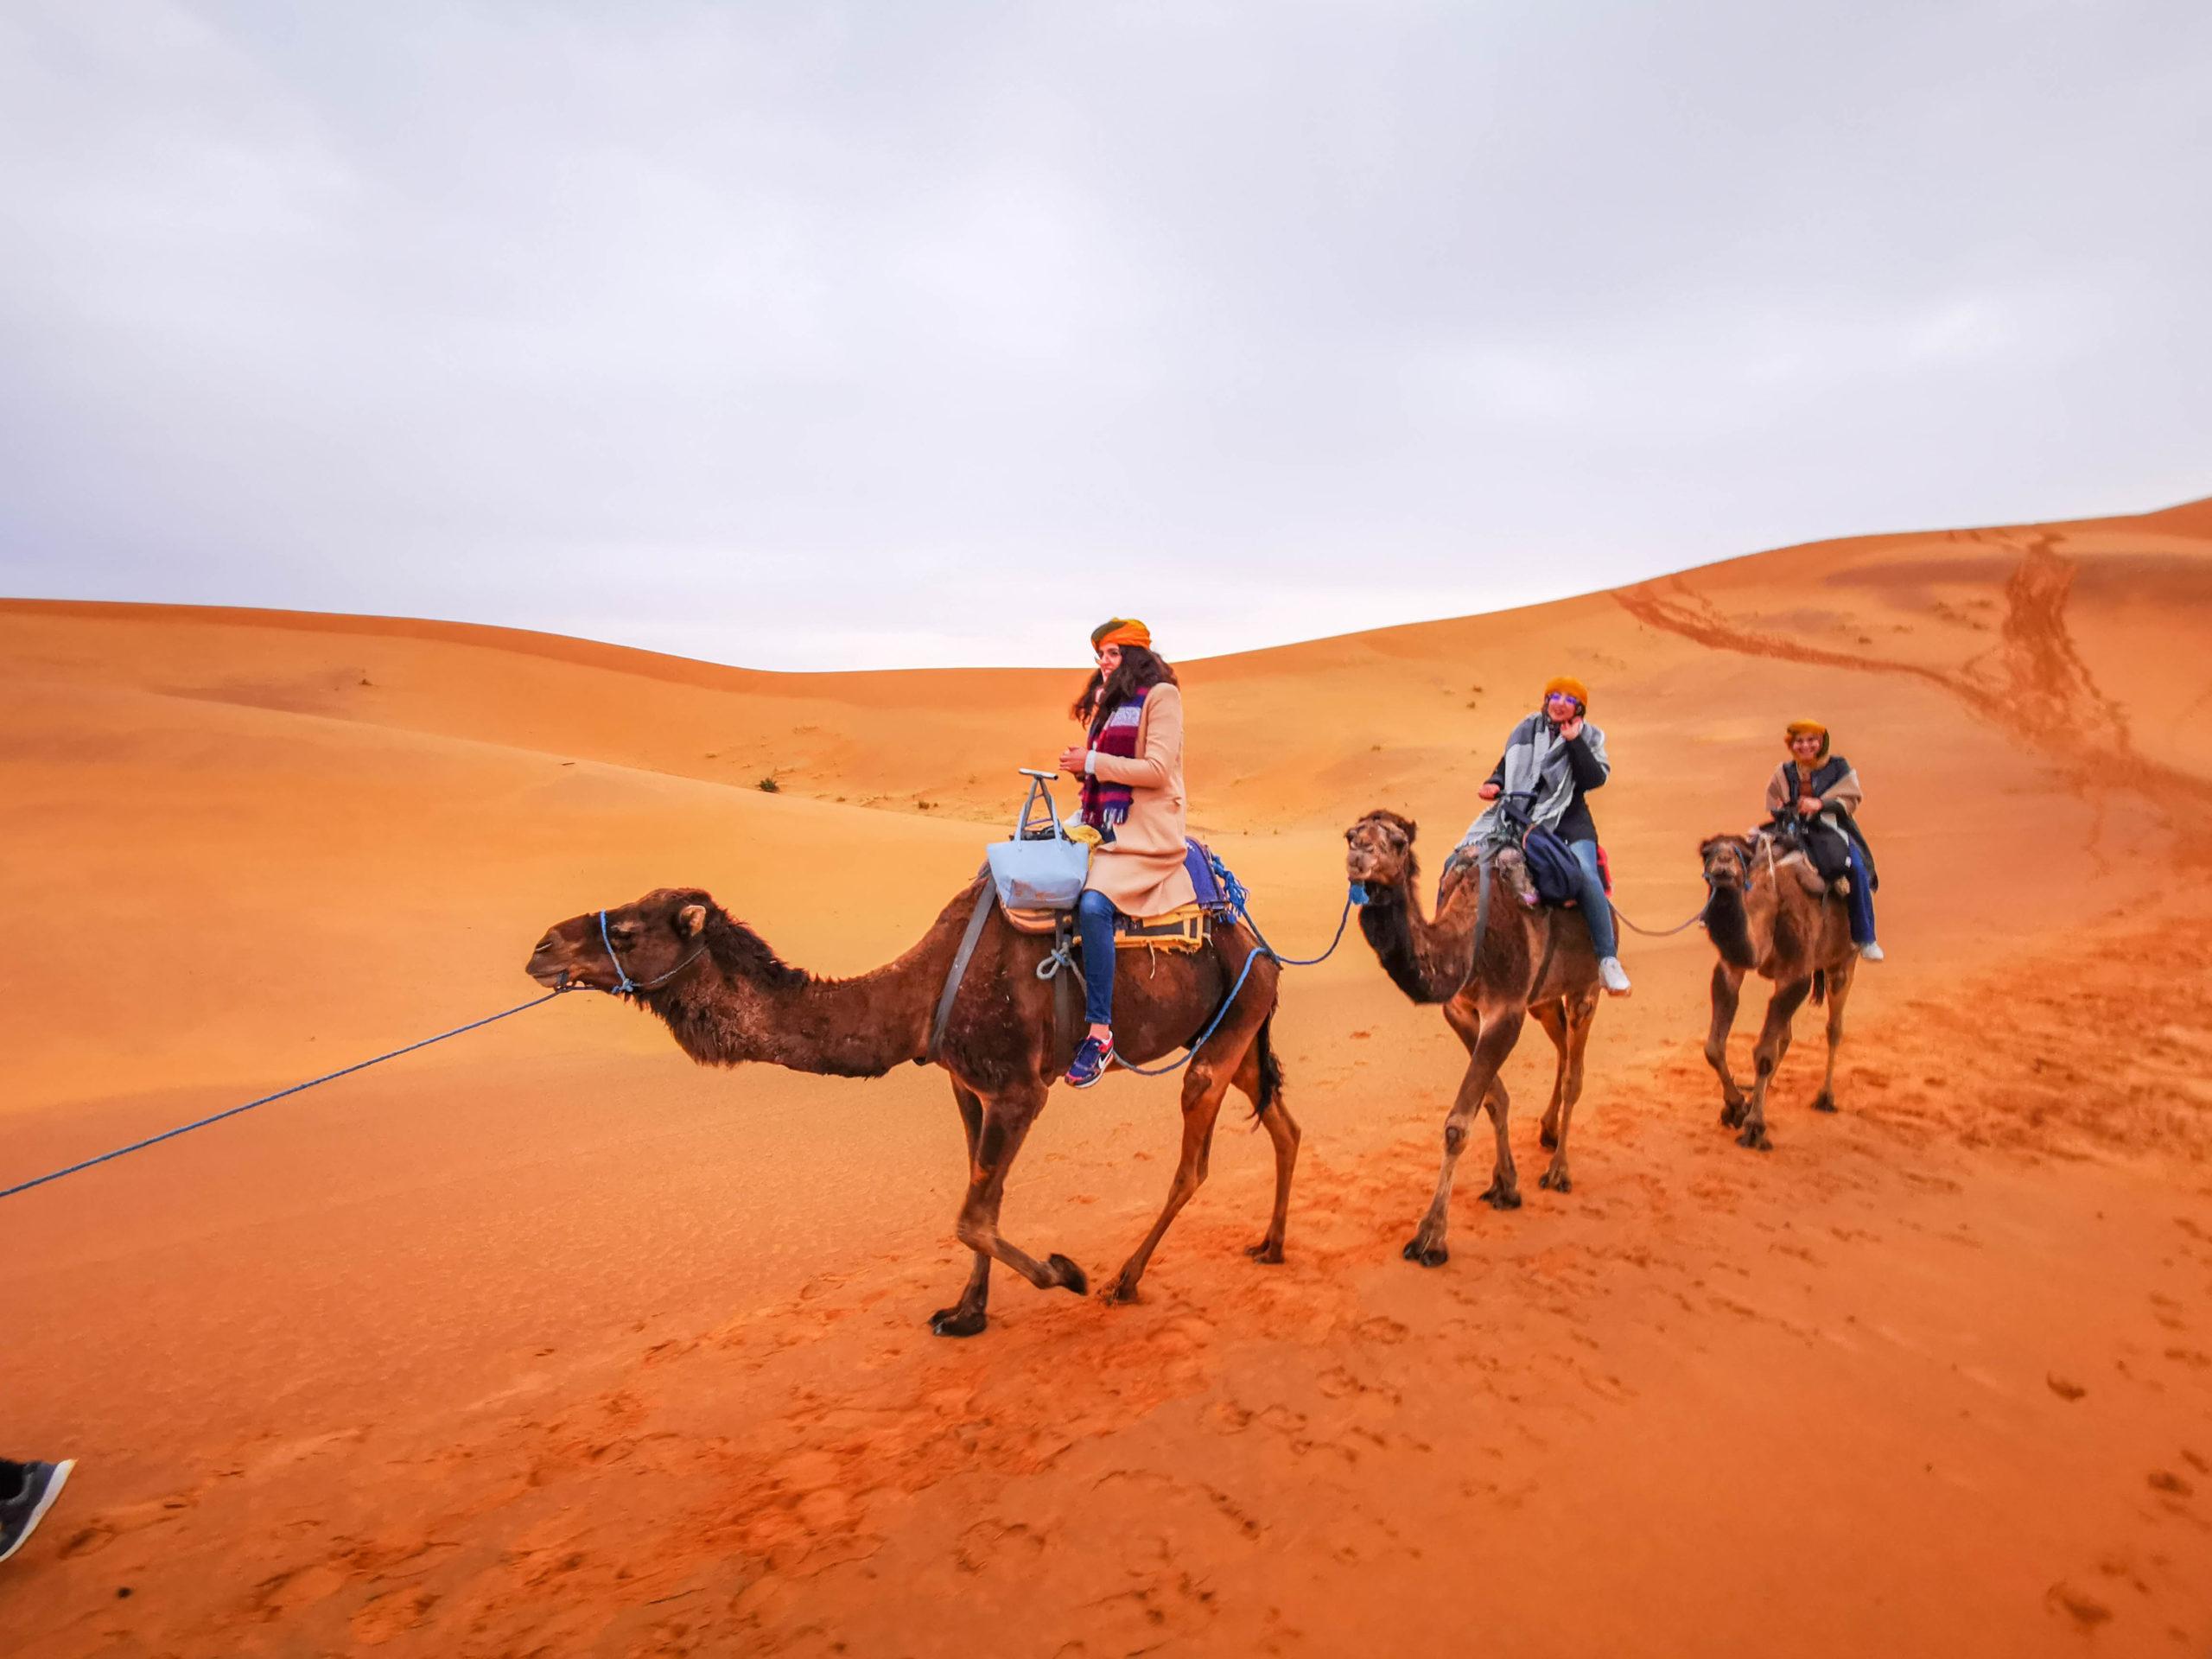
{"type": "Point", "coordinates": [1113, 731]}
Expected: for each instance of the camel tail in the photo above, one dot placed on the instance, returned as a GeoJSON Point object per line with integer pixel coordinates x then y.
{"type": "Point", "coordinates": [1820, 986]}
{"type": "Point", "coordinates": [1270, 1071]}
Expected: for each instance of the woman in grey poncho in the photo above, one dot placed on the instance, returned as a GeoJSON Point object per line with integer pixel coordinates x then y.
{"type": "Point", "coordinates": [1552, 761]}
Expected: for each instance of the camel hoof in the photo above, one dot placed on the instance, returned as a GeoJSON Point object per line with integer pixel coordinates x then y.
{"type": "Point", "coordinates": [1755, 1138]}
{"type": "Point", "coordinates": [1547, 1138]}
{"type": "Point", "coordinates": [952, 1322]}
{"type": "Point", "coordinates": [1824, 1101]}
{"type": "Point", "coordinates": [1503, 1198]}
{"type": "Point", "coordinates": [1429, 1255]}
{"type": "Point", "coordinates": [1732, 1117]}
{"type": "Point", "coordinates": [1123, 1291]}
{"type": "Point", "coordinates": [1268, 1250]}
{"type": "Point", "coordinates": [1555, 1180]}
{"type": "Point", "coordinates": [1070, 1275]}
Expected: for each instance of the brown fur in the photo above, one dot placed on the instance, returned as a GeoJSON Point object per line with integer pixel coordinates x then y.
{"type": "Point", "coordinates": [729, 999]}
{"type": "Point", "coordinates": [1484, 1000]}
{"type": "Point", "coordinates": [1764, 917]}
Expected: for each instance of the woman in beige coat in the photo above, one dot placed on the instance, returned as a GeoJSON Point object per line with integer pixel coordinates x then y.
{"type": "Point", "coordinates": [1131, 767]}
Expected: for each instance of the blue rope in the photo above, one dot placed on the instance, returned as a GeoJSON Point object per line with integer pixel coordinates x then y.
{"type": "Point", "coordinates": [1234, 891]}
{"type": "Point", "coordinates": [1355, 895]}
{"type": "Point", "coordinates": [1212, 1026]}
{"type": "Point", "coordinates": [171, 1134]}
{"type": "Point", "coordinates": [622, 973]}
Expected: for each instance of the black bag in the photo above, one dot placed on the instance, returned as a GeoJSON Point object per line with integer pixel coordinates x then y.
{"type": "Point", "coordinates": [1552, 867]}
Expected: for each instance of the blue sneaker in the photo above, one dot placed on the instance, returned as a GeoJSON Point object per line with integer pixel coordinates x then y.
{"type": "Point", "coordinates": [1091, 1062]}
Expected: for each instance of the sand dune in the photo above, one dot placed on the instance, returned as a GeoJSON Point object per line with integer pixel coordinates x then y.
{"type": "Point", "coordinates": [545, 1340]}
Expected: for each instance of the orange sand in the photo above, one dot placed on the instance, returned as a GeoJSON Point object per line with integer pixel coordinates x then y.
{"type": "Point", "coordinates": [546, 1341]}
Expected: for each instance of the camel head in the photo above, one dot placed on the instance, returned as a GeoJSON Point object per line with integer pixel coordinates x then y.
{"type": "Point", "coordinates": [1727, 860]}
{"type": "Point", "coordinates": [1379, 856]}
{"type": "Point", "coordinates": [656, 937]}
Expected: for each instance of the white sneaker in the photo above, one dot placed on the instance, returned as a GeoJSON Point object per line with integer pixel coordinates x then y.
{"type": "Point", "coordinates": [1612, 975]}
{"type": "Point", "coordinates": [1870, 952]}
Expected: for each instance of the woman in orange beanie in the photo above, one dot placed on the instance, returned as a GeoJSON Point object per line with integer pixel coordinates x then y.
{"type": "Point", "coordinates": [1131, 766]}
{"type": "Point", "coordinates": [1823, 793]}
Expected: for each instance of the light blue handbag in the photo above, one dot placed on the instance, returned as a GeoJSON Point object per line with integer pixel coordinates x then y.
{"type": "Point", "coordinates": [1041, 869]}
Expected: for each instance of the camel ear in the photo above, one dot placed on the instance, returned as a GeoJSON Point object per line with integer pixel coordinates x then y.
{"type": "Point", "coordinates": [691, 921]}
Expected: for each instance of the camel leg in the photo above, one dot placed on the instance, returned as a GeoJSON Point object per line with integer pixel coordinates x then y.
{"type": "Point", "coordinates": [1581, 1014]}
{"type": "Point", "coordinates": [1552, 1016]}
{"type": "Point", "coordinates": [1466, 1022]}
{"type": "Point", "coordinates": [1727, 992]}
{"type": "Point", "coordinates": [1203, 1084]}
{"type": "Point", "coordinates": [1838, 990]}
{"type": "Point", "coordinates": [1427, 1244]}
{"type": "Point", "coordinates": [1774, 1043]}
{"type": "Point", "coordinates": [1282, 1129]}
{"type": "Point", "coordinates": [966, 1317]}
{"type": "Point", "coordinates": [1503, 1192]}
{"type": "Point", "coordinates": [1005, 1125]}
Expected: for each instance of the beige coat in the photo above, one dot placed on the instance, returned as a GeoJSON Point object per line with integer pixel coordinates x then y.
{"type": "Point", "coordinates": [1142, 869]}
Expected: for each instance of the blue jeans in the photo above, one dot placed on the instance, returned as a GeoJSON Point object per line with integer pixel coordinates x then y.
{"type": "Point", "coordinates": [1094, 916]}
{"type": "Point", "coordinates": [1862, 900]}
{"type": "Point", "coordinates": [1597, 908]}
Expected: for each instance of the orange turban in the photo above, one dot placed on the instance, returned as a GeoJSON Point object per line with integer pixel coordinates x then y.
{"type": "Point", "coordinates": [1121, 631]}
{"type": "Point", "coordinates": [1573, 687]}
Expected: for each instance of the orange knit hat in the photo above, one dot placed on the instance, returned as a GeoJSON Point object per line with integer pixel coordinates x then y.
{"type": "Point", "coordinates": [1798, 728]}
{"type": "Point", "coordinates": [1121, 631]}
{"type": "Point", "coordinates": [1573, 687]}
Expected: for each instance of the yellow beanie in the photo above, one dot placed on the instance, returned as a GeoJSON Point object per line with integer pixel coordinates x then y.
{"type": "Point", "coordinates": [1573, 687]}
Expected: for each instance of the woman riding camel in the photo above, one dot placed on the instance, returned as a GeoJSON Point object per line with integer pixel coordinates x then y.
{"type": "Point", "coordinates": [1553, 760]}
{"type": "Point", "coordinates": [1131, 766]}
{"type": "Point", "coordinates": [1822, 791]}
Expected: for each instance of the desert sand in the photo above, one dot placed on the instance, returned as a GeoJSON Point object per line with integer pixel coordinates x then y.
{"type": "Point", "coordinates": [546, 1341]}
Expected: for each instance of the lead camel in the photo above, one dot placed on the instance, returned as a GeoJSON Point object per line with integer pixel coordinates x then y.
{"type": "Point", "coordinates": [727, 999]}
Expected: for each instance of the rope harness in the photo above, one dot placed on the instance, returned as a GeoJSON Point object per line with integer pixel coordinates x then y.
{"type": "Point", "coordinates": [627, 984]}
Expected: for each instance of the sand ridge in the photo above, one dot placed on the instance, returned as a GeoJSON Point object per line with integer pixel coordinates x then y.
{"type": "Point", "coordinates": [554, 1342]}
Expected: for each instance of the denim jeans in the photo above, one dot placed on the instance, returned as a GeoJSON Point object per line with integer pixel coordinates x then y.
{"type": "Point", "coordinates": [1862, 900]}
{"type": "Point", "coordinates": [1094, 915]}
{"type": "Point", "coordinates": [1597, 908]}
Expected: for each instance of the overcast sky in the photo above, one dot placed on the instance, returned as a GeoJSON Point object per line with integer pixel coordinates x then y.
{"type": "Point", "coordinates": [851, 335]}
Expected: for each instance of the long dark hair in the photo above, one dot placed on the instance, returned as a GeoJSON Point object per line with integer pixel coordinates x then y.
{"type": "Point", "coordinates": [1140, 670]}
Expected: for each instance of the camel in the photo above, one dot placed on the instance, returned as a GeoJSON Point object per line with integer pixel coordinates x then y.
{"type": "Point", "coordinates": [1771, 913]}
{"type": "Point", "coordinates": [727, 998]}
{"type": "Point", "coordinates": [1532, 962]}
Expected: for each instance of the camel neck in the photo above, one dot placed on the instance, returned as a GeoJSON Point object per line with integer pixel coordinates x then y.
{"type": "Point", "coordinates": [1428, 961]}
{"type": "Point", "coordinates": [859, 1027]}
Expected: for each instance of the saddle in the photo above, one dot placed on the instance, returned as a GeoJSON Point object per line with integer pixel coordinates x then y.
{"type": "Point", "coordinates": [1186, 928]}
{"type": "Point", "coordinates": [1551, 865]}
{"type": "Point", "coordinates": [1790, 857]}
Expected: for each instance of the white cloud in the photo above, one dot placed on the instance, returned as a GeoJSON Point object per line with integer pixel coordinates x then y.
{"type": "Point", "coordinates": [862, 334]}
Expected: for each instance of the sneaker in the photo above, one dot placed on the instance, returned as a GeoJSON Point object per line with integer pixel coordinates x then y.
{"type": "Point", "coordinates": [1612, 977]}
{"type": "Point", "coordinates": [1091, 1062]}
{"type": "Point", "coordinates": [20, 1515]}
{"type": "Point", "coordinates": [1870, 951]}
